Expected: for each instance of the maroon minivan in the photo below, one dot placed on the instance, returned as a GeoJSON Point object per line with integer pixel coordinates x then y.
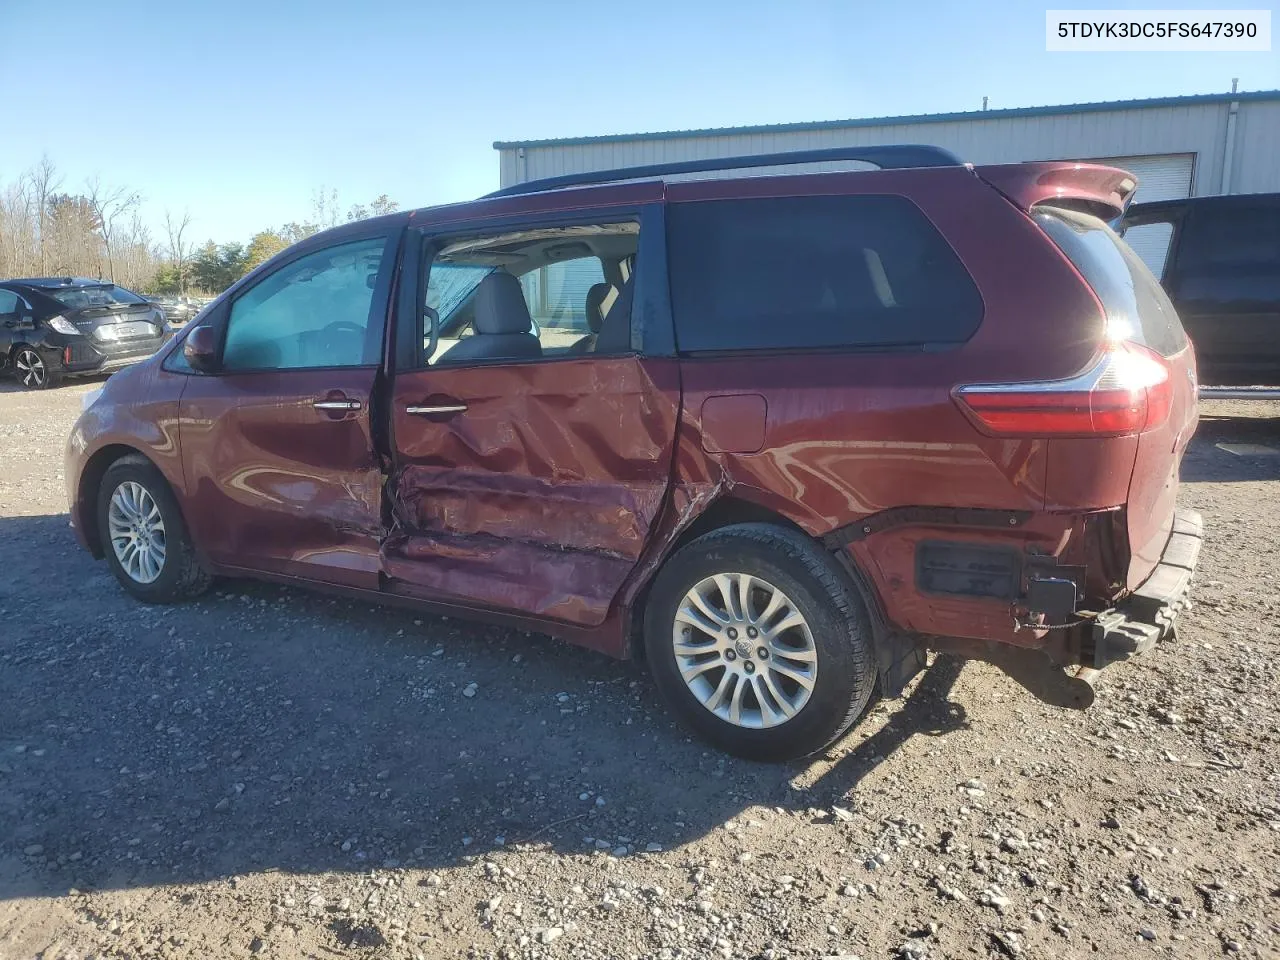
{"type": "Point", "coordinates": [780, 434]}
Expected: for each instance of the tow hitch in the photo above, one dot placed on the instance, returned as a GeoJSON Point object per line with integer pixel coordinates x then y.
{"type": "Point", "coordinates": [1132, 627]}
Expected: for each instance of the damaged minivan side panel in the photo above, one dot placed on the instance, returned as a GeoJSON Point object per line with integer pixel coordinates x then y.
{"type": "Point", "coordinates": [536, 485]}
{"type": "Point", "coordinates": [542, 496]}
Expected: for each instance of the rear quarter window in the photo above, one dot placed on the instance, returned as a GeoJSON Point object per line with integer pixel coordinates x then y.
{"type": "Point", "coordinates": [1136, 305]}
{"type": "Point", "coordinates": [813, 273]}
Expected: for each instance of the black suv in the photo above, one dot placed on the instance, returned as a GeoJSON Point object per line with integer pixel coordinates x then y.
{"type": "Point", "coordinates": [51, 327]}
{"type": "Point", "coordinates": [1219, 261]}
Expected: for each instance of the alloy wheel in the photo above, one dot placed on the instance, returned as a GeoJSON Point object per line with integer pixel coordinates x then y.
{"type": "Point", "coordinates": [137, 532]}
{"type": "Point", "coordinates": [744, 650]}
{"type": "Point", "coordinates": [31, 369]}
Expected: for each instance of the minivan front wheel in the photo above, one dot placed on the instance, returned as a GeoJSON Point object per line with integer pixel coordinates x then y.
{"type": "Point", "coordinates": [143, 534]}
{"type": "Point", "coordinates": [760, 643]}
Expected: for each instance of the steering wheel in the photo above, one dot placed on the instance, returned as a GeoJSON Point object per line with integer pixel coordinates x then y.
{"type": "Point", "coordinates": [330, 336]}
{"type": "Point", "coordinates": [339, 325]}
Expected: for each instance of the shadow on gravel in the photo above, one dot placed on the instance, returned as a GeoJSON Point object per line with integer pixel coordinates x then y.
{"type": "Point", "coordinates": [1257, 442]}
{"type": "Point", "coordinates": [265, 728]}
{"type": "Point", "coordinates": [929, 711]}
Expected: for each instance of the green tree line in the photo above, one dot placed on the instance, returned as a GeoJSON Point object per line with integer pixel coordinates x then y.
{"type": "Point", "coordinates": [213, 267]}
{"type": "Point", "coordinates": [97, 231]}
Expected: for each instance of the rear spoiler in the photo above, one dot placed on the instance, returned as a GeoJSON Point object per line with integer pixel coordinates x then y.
{"type": "Point", "coordinates": [1092, 188]}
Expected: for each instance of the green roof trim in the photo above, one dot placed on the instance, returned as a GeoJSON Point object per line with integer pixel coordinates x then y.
{"type": "Point", "coordinates": [1006, 113]}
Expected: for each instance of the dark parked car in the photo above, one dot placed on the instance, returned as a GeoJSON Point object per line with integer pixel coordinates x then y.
{"type": "Point", "coordinates": [782, 434]}
{"type": "Point", "coordinates": [1219, 260]}
{"type": "Point", "coordinates": [177, 310]}
{"type": "Point", "coordinates": [51, 327]}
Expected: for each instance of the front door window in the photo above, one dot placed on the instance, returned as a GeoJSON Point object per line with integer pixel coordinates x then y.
{"type": "Point", "coordinates": [313, 312]}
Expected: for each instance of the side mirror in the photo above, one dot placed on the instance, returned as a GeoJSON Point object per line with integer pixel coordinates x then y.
{"type": "Point", "coordinates": [201, 349]}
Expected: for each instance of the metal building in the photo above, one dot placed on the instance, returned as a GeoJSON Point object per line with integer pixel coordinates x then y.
{"type": "Point", "coordinates": [1177, 146]}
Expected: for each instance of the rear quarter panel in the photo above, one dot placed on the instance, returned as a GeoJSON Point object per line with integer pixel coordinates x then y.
{"type": "Point", "coordinates": [848, 435]}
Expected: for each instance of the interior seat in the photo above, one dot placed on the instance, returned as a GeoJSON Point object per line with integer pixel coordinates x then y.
{"type": "Point", "coordinates": [595, 317]}
{"type": "Point", "coordinates": [503, 327]}
{"type": "Point", "coordinates": [615, 329]}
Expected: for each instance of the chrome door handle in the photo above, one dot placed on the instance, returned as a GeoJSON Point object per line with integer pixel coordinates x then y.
{"type": "Point", "coordinates": [337, 405]}
{"type": "Point", "coordinates": [429, 411]}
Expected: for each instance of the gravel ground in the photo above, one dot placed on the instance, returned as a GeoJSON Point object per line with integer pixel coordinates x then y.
{"type": "Point", "coordinates": [272, 772]}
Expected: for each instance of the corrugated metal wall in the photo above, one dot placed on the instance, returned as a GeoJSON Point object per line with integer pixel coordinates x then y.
{"type": "Point", "coordinates": [1256, 165]}
{"type": "Point", "coordinates": [1199, 129]}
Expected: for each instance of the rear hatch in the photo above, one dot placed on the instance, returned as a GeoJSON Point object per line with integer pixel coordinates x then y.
{"type": "Point", "coordinates": [1139, 393]}
{"type": "Point", "coordinates": [1139, 314]}
{"type": "Point", "coordinates": [113, 318]}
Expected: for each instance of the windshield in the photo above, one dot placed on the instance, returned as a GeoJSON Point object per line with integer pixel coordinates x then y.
{"type": "Point", "coordinates": [451, 284]}
{"type": "Point", "coordinates": [101, 295]}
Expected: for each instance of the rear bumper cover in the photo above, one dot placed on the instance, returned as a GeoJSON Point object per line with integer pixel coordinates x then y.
{"type": "Point", "coordinates": [1064, 675]}
{"type": "Point", "coordinates": [84, 357]}
{"type": "Point", "coordinates": [1148, 614]}
{"type": "Point", "coordinates": [108, 365]}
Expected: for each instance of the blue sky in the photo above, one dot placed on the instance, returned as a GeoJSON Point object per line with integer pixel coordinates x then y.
{"type": "Point", "coordinates": [239, 111]}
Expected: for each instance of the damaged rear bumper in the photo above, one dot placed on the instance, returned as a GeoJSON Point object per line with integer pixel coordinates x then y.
{"type": "Point", "coordinates": [1148, 614]}
{"type": "Point", "coordinates": [1133, 626]}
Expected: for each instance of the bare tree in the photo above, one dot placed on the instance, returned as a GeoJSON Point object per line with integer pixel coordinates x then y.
{"type": "Point", "coordinates": [74, 244]}
{"type": "Point", "coordinates": [17, 230]}
{"type": "Point", "coordinates": [179, 249]}
{"type": "Point", "coordinates": [324, 208]}
{"type": "Point", "coordinates": [109, 204]}
{"type": "Point", "coordinates": [135, 256]}
{"type": "Point", "coordinates": [46, 229]}
{"type": "Point", "coordinates": [382, 205]}
{"type": "Point", "coordinates": [45, 181]}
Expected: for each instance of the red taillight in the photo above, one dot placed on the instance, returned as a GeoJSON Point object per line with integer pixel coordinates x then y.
{"type": "Point", "coordinates": [1127, 391]}
{"type": "Point", "coordinates": [66, 356]}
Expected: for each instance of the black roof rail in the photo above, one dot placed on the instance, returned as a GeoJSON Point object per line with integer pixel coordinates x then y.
{"type": "Point", "coordinates": [894, 157]}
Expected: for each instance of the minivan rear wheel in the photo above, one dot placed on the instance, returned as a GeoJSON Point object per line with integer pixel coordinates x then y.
{"type": "Point", "coordinates": [143, 535]}
{"type": "Point", "coordinates": [759, 642]}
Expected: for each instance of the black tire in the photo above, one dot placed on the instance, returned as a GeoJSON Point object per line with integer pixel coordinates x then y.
{"type": "Point", "coordinates": [181, 576]}
{"type": "Point", "coordinates": [26, 361]}
{"type": "Point", "coordinates": [821, 592]}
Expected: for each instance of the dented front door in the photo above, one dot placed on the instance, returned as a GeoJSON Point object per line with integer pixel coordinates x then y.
{"type": "Point", "coordinates": [277, 441]}
{"type": "Point", "coordinates": [282, 473]}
